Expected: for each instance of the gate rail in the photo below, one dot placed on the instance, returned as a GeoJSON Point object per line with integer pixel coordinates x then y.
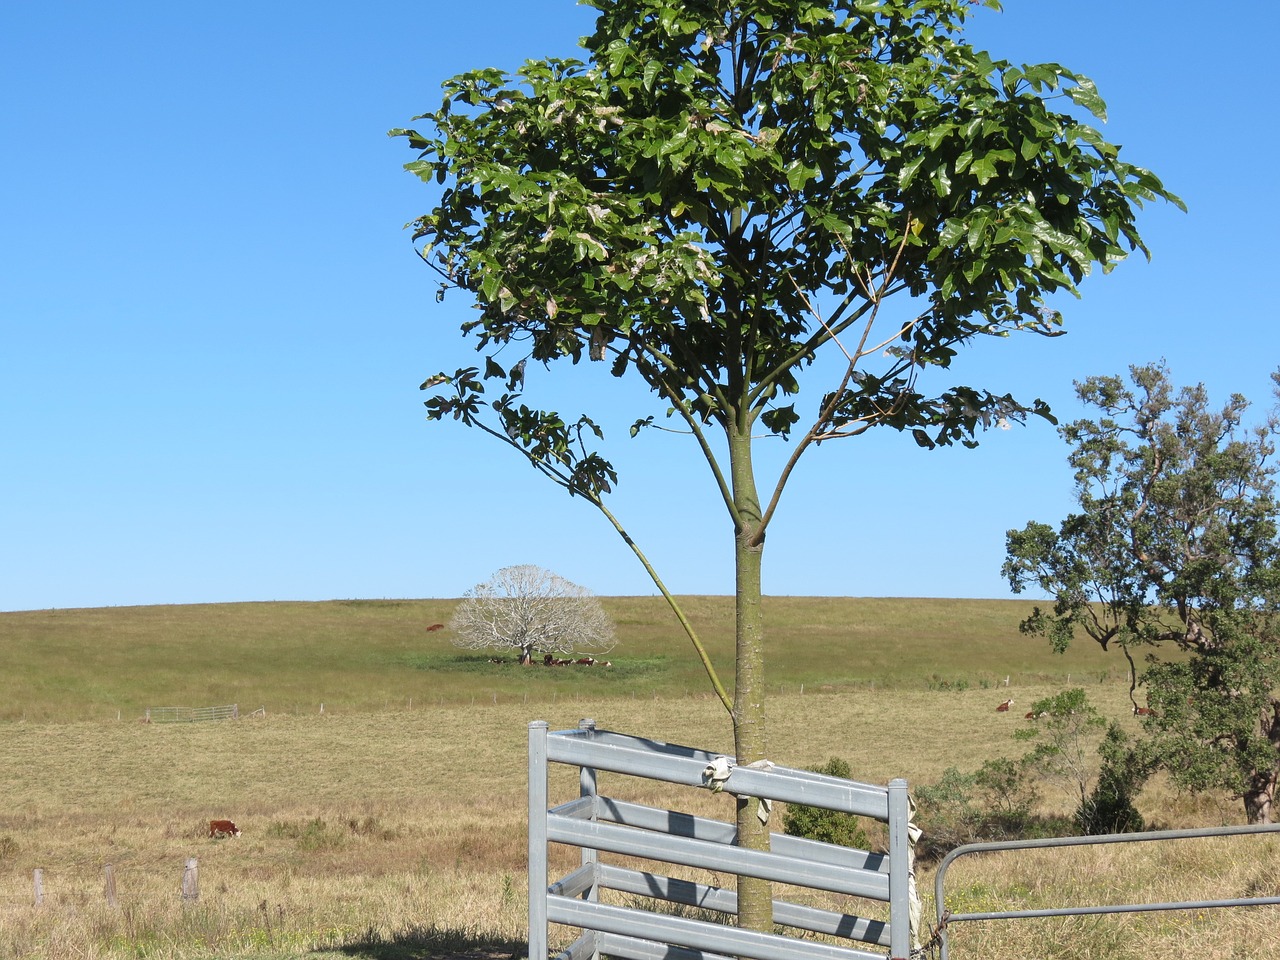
{"type": "Point", "coordinates": [944, 917]}
{"type": "Point", "coordinates": [600, 824]}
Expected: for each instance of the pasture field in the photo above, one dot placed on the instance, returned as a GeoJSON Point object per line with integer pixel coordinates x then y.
{"type": "Point", "coordinates": [380, 832]}
{"type": "Point", "coordinates": [363, 655]}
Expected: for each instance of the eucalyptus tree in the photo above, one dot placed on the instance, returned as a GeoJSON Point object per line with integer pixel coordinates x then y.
{"type": "Point", "coordinates": [1174, 552]}
{"type": "Point", "coordinates": [724, 192]}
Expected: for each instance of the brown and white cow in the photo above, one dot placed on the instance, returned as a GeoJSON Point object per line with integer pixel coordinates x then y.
{"type": "Point", "coordinates": [1004, 707]}
{"type": "Point", "coordinates": [223, 828]}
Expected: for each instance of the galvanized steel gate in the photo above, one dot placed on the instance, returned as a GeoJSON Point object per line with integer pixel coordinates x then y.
{"type": "Point", "coordinates": [597, 823]}
{"type": "Point", "coordinates": [945, 917]}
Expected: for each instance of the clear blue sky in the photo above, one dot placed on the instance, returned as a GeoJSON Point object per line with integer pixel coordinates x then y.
{"type": "Point", "coordinates": [213, 328]}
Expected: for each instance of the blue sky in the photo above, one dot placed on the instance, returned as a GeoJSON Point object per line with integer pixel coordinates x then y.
{"type": "Point", "coordinates": [213, 328]}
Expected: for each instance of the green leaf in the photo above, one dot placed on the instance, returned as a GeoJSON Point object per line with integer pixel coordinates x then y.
{"type": "Point", "coordinates": [1085, 93]}
{"type": "Point", "coordinates": [651, 71]}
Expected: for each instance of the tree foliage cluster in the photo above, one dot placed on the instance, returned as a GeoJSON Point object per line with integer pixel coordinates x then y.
{"type": "Point", "coordinates": [1174, 556]}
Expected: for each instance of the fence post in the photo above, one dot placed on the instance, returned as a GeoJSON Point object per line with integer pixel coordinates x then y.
{"type": "Point", "coordinates": [538, 840]}
{"type": "Point", "coordinates": [899, 871]}
{"type": "Point", "coordinates": [588, 787]}
{"type": "Point", "coordinates": [37, 882]}
{"type": "Point", "coordinates": [110, 885]}
{"type": "Point", "coordinates": [191, 881]}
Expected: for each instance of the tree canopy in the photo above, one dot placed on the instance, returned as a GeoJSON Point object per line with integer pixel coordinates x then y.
{"type": "Point", "coordinates": [528, 609]}
{"type": "Point", "coordinates": [725, 191]}
{"type": "Point", "coordinates": [1175, 547]}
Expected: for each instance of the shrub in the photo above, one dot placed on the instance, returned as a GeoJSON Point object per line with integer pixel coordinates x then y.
{"type": "Point", "coordinates": [1109, 807]}
{"type": "Point", "coordinates": [993, 803]}
{"type": "Point", "coordinates": [819, 823]}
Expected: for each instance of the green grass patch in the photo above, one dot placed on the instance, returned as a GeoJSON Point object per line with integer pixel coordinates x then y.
{"type": "Point", "coordinates": [358, 655]}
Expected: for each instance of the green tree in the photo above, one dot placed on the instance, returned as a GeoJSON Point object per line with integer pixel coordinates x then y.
{"type": "Point", "coordinates": [1109, 807]}
{"type": "Point", "coordinates": [725, 192]}
{"type": "Point", "coordinates": [1065, 737]}
{"type": "Point", "coordinates": [1175, 552]}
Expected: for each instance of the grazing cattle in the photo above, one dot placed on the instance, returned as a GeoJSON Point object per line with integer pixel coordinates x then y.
{"type": "Point", "coordinates": [223, 828]}
{"type": "Point", "coordinates": [1004, 707]}
{"type": "Point", "coordinates": [434, 627]}
{"type": "Point", "coordinates": [1141, 711]}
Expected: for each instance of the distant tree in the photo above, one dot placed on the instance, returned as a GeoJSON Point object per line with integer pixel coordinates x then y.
{"type": "Point", "coordinates": [725, 193]}
{"type": "Point", "coordinates": [1175, 552]}
{"type": "Point", "coordinates": [528, 609]}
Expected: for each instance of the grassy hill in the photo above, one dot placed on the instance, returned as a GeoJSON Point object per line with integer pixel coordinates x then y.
{"type": "Point", "coordinates": [361, 655]}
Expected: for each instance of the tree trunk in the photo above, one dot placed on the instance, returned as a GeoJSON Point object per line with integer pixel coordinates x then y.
{"type": "Point", "coordinates": [755, 901]}
{"type": "Point", "coordinates": [1258, 798]}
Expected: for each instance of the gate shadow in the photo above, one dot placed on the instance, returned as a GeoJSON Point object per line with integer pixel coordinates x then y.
{"type": "Point", "coordinates": [430, 943]}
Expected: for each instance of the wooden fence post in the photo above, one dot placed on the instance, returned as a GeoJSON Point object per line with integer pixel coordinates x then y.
{"type": "Point", "coordinates": [37, 881]}
{"type": "Point", "coordinates": [191, 881]}
{"type": "Point", "coordinates": [110, 885]}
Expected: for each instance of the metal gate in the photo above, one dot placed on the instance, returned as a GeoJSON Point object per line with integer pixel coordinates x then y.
{"type": "Point", "coordinates": [944, 917]}
{"type": "Point", "coordinates": [600, 824]}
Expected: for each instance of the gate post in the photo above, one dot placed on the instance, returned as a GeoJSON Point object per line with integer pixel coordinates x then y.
{"type": "Point", "coordinates": [538, 840]}
{"type": "Point", "coordinates": [899, 871]}
{"type": "Point", "coordinates": [587, 787]}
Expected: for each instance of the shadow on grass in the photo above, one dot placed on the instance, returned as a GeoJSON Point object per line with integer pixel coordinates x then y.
{"type": "Point", "coordinates": [429, 943]}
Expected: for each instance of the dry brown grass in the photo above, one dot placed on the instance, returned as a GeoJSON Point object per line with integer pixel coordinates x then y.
{"type": "Point", "coordinates": [401, 834]}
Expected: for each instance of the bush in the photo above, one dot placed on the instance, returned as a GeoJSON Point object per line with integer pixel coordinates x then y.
{"type": "Point", "coordinates": [1109, 807]}
{"type": "Point", "coordinates": [819, 823]}
{"type": "Point", "coordinates": [993, 803]}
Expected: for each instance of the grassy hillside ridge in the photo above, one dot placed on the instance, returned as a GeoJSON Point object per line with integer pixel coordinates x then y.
{"type": "Point", "coordinates": [360, 655]}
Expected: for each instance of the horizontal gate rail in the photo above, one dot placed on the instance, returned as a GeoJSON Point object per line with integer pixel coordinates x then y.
{"type": "Point", "coordinates": [714, 856]}
{"type": "Point", "coordinates": [618, 753]}
{"type": "Point", "coordinates": [944, 917]}
{"type": "Point", "coordinates": [685, 932]}
{"type": "Point", "coordinates": [699, 895]}
{"type": "Point", "coordinates": [599, 824]}
{"type": "Point", "coordinates": [702, 828]}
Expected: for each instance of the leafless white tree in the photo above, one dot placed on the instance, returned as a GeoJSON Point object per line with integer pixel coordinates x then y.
{"type": "Point", "coordinates": [531, 609]}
